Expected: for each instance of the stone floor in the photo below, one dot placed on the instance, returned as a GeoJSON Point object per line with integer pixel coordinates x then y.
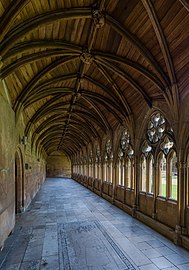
{"type": "Point", "coordinates": [68, 227]}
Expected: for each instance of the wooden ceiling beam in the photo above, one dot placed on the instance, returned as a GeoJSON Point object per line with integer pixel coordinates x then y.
{"type": "Point", "coordinates": [73, 144]}
{"type": "Point", "coordinates": [57, 130]}
{"type": "Point", "coordinates": [58, 118]}
{"type": "Point", "coordinates": [106, 89]}
{"type": "Point", "coordinates": [134, 65]}
{"type": "Point", "coordinates": [9, 16]}
{"type": "Point", "coordinates": [116, 89]}
{"type": "Point", "coordinates": [51, 82]}
{"type": "Point", "coordinates": [161, 39]}
{"type": "Point", "coordinates": [41, 111]}
{"type": "Point", "coordinates": [26, 46]}
{"type": "Point", "coordinates": [138, 45]}
{"type": "Point", "coordinates": [49, 107]}
{"type": "Point", "coordinates": [7, 70]}
{"type": "Point", "coordinates": [68, 151]}
{"type": "Point", "coordinates": [97, 55]}
{"type": "Point", "coordinates": [98, 111]}
{"type": "Point", "coordinates": [109, 105]}
{"type": "Point", "coordinates": [84, 64]}
{"type": "Point", "coordinates": [30, 24]}
{"type": "Point", "coordinates": [56, 127]}
{"type": "Point", "coordinates": [73, 99]}
{"type": "Point", "coordinates": [35, 80]}
{"type": "Point", "coordinates": [126, 107]}
{"type": "Point", "coordinates": [62, 91]}
{"type": "Point", "coordinates": [127, 78]}
{"type": "Point", "coordinates": [53, 120]}
{"type": "Point", "coordinates": [174, 91]}
{"type": "Point", "coordinates": [90, 117]}
{"type": "Point", "coordinates": [185, 3]}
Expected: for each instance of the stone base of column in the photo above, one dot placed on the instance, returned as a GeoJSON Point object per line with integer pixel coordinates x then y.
{"type": "Point", "coordinates": [134, 209]}
{"type": "Point", "coordinates": [154, 215]}
{"type": "Point", "coordinates": [177, 237]}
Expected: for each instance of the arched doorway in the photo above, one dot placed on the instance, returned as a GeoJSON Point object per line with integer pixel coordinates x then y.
{"type": "Point", "coordinates": [19, 183]}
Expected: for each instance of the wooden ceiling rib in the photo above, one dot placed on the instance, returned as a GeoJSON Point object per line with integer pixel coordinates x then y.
{"type": "Point", "coordinates": [91, 65]}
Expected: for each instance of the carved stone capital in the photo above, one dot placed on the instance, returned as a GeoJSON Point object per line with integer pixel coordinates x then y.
{"type": "Point", "coordinates": [98, 18]}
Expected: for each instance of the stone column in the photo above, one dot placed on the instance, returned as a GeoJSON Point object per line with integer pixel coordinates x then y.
{"type": "Point", "coordinates": [156, 180]}
{"type": "Point", "coordinates": [136, 184]}
{"type": "Point", "coordinates": [181, 200]}
{"type": "Point", "coordinates": [114, 170]}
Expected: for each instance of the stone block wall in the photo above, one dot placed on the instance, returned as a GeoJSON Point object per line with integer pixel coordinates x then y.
{"type": "Point", "coordinates": [21, 171]}
{"type": "Point", "coordinates": [7, 156]}
{"type": "Point", "coordinates": [58, 166]}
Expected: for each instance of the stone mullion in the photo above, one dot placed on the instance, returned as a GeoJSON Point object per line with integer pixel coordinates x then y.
{"type": "Point", "coordinates": [137, 180]}
{"type": "Point", "coordinates": [156, 185]}
{"type": "Point", "coordinates": [182, 186]}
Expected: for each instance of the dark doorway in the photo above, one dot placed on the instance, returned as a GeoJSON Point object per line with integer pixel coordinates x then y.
{"type": "Point", "coordinates": [19, 183]}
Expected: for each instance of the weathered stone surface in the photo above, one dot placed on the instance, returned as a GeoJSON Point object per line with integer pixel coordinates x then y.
{"type": "Point", "coordinates": [7, 146]}
{"type": "Point", "coordinates": [86, 232]}
{"type": "Point", "coordinates": [58, 165]}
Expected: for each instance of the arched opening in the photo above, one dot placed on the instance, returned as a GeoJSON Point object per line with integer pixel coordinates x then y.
{"type": "Point", "coordinates": [19, 183]}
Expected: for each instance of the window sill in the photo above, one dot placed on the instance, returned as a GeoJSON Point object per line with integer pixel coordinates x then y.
{"type": "Point", "coordinates": [168, 200]}
{"type": "Point", "coordinates": [129, 189]}
{"type": "Point", "coordinates": [151, 195]}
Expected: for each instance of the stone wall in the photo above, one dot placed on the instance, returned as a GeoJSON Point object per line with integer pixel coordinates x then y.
{"type": "Point", "coordinates": [58, 166]}
{"type": "Point", "coordinates": [35, 175]}
{"type": "Point", "coordinates": [22, 172]}
{"type": "Point", "coordinates": [7, 157]}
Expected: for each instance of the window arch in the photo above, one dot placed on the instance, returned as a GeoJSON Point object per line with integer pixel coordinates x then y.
{"type": "Point", "coordinates": [108, 162]}
{"type": "Point", "coordinates": [147, 170]}
{"type": "Point", "coordinates": [158, 140]}
{"type": "Point", "coordinates": [162, 175]}
{"type": "Point", "coordinates": [168, 176]}
{"type": "Point", "coordinates": [151, 174]}
{"type": "Point", "coordinates": [173, 176]}
{"type": "Point", "coordinates": [126, 153]}
{"type": "Point", "coordinates": [143, 173]}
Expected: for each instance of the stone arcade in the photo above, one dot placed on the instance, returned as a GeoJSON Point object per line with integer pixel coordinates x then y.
{"type": "Point", "coordinates": [97, 91]}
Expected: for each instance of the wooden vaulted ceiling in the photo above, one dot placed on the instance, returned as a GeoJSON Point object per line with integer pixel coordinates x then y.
{"type": "Point", "coordinates": [78, 68]}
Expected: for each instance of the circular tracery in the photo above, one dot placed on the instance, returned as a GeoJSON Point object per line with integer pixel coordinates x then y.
{"type": "Point", "coordinates": [156, 128]}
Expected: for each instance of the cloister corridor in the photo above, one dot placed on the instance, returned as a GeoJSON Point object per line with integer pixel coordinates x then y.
{"type": "Point", "coordinates": [69, 227]}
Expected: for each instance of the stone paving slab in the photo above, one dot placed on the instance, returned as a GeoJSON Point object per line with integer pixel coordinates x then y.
{"type": "Point", "coordinates": [67, 227]}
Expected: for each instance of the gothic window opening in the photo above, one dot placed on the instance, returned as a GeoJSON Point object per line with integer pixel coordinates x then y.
{"type": "Point", "coordinates": [162, 175]}
{"type": "Point", "coordinates": [126, 156]}
{"type": "Point", "coordinates": [173, 176]}
{"type": "Point", "coordinates": [151, 174]}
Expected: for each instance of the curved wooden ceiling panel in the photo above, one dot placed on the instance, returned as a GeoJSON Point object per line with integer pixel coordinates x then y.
{"type": "Point", "coordinates": [90, 65]}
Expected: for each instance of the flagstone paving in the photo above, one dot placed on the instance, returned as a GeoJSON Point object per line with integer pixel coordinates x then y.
{"type": "Point", "coordinates": [67, 227]}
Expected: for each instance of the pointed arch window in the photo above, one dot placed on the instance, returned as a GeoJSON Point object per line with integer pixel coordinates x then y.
{"type": "Point", "coordinates": [143, 173]}
{"type": "Point", "coordinates": [127, 161]}
{"type": "Point", "coordinates": [147, 171]}
{"type": "Point", "coordinates": [168, 181]}
{"type": "Point", "coordinates": [162, 166]}
{"type": "Point", "coordinates": [159, 137]}
{"type": "Point", "coordinates": [173, 176]}
{"type": "Point", "coordinates": [151, 174]}
{"type": "Point", "coordinates": [108, 162]}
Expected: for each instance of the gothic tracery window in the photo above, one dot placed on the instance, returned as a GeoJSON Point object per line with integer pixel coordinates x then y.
{"type": "Point", "coordinates": [126, 163]}
{"type": "Point", "coordinates": [166, 159]}
{"type": "Point", "coordinates": [108, 162]}
{"type": "Point", "coordinates": [156, 128]}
